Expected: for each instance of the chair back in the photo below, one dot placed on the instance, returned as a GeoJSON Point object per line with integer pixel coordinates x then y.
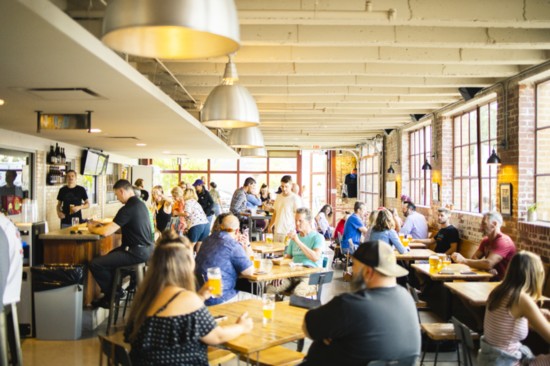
{"type": "Point", "coordinates": [466, 341]}
{"type": "Point", "coordinates": [319, 279]}
{"type": "Point", "coordinates": [116, 354]}
{"type": "Point", "coordinates": [406, 361]}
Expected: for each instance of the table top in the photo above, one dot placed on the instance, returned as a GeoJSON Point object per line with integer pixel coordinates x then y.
{"type": "Point", "coordinates": [263, 247]}
{"type": "Point", "coordinates": [281, 271]}
{"type": "Point", "coordinates": [476, 293]}
{"type": "Point", "coordinates": [286, 325]}
{"type": "Point", "coordinates": [417, 246]}
{"type": "Point", "coordinates": [415, 254]}
{"type": "Point", "coordinates": [454, 273]}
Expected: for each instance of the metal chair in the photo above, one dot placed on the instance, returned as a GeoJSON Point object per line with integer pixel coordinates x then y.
{"type": "Point", "coordinates": [137, 271]}
{"type": "Point", "coordinates": [466, 341]}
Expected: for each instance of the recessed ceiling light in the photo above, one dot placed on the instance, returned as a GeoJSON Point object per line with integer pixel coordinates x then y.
{"type": "Point", "coordinates": [95, 130]}
{"type": "Point", "coordinates": [1, 101]}
{"type": "Point", "coordinates": [141, 144]}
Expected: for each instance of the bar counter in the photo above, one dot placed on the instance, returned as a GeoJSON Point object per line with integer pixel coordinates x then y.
{"type": "Point", "coordinates": [78, 247]}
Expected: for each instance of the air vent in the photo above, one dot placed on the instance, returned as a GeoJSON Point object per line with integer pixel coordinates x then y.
{"type": "Point", "coordinates": [64, 93]}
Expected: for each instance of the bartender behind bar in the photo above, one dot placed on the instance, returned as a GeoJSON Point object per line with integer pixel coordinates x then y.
{"type": "Point", "coordinates": [71, 199]}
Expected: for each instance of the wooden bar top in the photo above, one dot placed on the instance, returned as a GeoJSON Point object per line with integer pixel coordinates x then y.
{"type": "Point", "coordinates": [476, 293]}
{"type": "Point", "coordinates": [264, 247]}
{"type": "Point", "coordinates": [415, 254]}
{"type": "Point", "coordinates": [286, 325]}
{"type": "Point", "coordinates": [453, 272]}
{"type": "Point", "coordinates": [80, 232]}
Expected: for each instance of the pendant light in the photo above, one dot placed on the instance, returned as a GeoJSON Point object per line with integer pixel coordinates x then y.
{"type": "Point", "coordinates": [254, 153]}
{"type": "Point", "coordinates": [172, 29]}
{"type": "Point", "coordinates": [230, 105]}
{"type": "Point", "coordinates": [494, 159]}
{"type": "Point", "coordinates": [246, 138]}
{"type": "Point", "coordinates": [391, 170]}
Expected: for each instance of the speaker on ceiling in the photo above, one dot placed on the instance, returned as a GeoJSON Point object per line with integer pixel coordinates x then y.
{"type": "Point", "coordinates": [468, 93]}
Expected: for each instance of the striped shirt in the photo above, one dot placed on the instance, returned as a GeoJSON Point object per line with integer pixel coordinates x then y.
{"type": "Point", "coordinates": [502, 330]}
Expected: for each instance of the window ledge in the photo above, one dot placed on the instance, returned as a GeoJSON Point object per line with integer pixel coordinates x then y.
{"type": "Point", "coordinates": [535, 223]}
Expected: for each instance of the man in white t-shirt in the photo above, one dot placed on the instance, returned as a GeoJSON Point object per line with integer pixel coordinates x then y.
{"type": "Point", "coordinates": [12, 275]}
{"type": "Point", "coordinates": [284, 209]}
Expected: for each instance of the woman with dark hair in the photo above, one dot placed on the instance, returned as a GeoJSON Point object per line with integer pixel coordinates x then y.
{"type": "Point", "coordinates": [322, 221]}
{"type": "Point", "coordinates": [383, 229]}
{"type": "Point", "coordinates": [265, 196]}
{"type": "Point", "coordinates": [168, 323]}
{"type": "Point", "coordinates": [511, 310]}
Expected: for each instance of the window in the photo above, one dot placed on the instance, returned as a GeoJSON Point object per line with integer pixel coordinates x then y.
{"type": "Point", "coordinates": [542, 151]}
{"type": "Point", "coordinates": [370, 190]}
{"type": "Point", "coordinates": [19, 166]}
{"type": "Point", "coordinates": [420, 146]}
{"type": "Point", "coordinates": [474, 137]}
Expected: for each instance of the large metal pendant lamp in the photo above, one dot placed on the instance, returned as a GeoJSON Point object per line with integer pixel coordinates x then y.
{"type": "Point", "coordinates": [230, 105]}
{"type": "Point", "coordinates": [172, 29]}
{"type": "Point", "coordinates": [254, 153]}
{"type": "Point", "coordinates": [246, 138]}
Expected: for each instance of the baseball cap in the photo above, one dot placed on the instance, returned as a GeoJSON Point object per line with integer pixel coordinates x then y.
{"type": "Point", "coordinates": [198, 182]}
{"type": "Point", "coordinates": [380, 256]}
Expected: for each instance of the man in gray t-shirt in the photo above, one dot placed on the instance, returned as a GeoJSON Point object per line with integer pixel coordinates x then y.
{"type": "Point", "coordinates": [376, 322]}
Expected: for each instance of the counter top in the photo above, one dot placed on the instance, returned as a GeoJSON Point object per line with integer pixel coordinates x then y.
{"type": "Point", "coordinates": [79, 232]}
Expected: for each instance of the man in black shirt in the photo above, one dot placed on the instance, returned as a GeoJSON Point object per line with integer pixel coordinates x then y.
{"type": "Point", "coordinates": [205, 199]}
{"type": "Point", "coordinates": [447, 238]}
{"type": "Point", "coordinates": [137, 239]}
{"type": "Point", "coordinates": [351, 183]}
{"type": "Point", "coordinates": [71, 199]}
{"type": "Point", "coordinates": [378, 321]}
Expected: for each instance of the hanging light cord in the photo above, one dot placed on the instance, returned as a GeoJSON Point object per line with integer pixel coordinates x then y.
{"type": "Point", "coordinates": [175, 79]}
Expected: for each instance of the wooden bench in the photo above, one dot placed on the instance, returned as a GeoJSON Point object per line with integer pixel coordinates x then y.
{"type": "Point", "coordinates": [467, 248]}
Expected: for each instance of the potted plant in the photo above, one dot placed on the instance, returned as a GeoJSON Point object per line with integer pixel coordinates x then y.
{"type": "Point", "coordinates": [532, 212]}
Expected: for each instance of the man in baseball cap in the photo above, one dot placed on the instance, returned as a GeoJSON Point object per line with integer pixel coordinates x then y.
{"type": "Point", "coordinates": [377, 321]}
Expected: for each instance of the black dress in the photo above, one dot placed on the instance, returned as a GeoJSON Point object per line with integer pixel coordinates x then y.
{"type": "Point", "coordinates": [172, 340]}
{"type": "Point", "coordinates": [162, 218]}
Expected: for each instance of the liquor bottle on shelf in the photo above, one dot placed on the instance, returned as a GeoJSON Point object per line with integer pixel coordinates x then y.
{"type": "Point", "coordinates": [58, 153]}
{"type": "Point", "coordinates": [52, 158]}
{"type": "Point", "coordinates": [63, 157]}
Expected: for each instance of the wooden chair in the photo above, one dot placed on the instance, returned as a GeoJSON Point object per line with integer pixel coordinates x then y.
{"type": "Point", "coordinates": [276, 356]}
{"type": "Point", "coordinates": [407, 361]}
{"type": "Point", "coordinates": [116, 353]}
{"type": "Point", "coordinates": [217, 356]}
{"type": "Point", "coordinates": [466, 340]}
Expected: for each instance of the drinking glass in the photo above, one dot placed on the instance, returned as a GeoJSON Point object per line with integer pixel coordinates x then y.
{"type": "Point", "coordinates": [401, 237]}
{"type": "Point", "coordinates": [434, 263]}
{"type": "Point", "coordinates": [268, 307]}
{"type": "Point", "coordinates": [446, 261]}
{"type": "Point", "coordinates": [214, 275]}
{"type": "Point", "coordinates": [257, 261]}
{"type": "Point", "coordinates": [75, 221]}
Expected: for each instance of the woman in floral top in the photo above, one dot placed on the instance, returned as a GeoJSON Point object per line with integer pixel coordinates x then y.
{"type": "Point", "coordinates": [198, 227]}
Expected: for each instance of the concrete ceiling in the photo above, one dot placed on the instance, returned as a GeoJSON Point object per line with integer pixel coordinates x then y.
{"type": "Point", "coordinates": [327, 73]}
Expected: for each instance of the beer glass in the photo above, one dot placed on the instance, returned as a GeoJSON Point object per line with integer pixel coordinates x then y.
{"type": "Point", "coordinates": [268, 307]}
{"type": "Point", "coordinates": [257, 261]}
{"type": "Point", "coordinates": [434, 263]}
{"type": "Point", "coordinates": [215, 281]}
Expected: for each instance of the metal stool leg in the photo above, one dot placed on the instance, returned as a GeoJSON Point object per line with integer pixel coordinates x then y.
{"type": "Point", "coordinates": [113, 306]}
{"type": "Point", "coordinates": [13, 335]}
{"type": "Point", "coordinates": [3, 338]}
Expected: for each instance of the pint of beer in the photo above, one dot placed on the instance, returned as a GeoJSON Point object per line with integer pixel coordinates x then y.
{"type": "Point", "coordinates": [215, 281]}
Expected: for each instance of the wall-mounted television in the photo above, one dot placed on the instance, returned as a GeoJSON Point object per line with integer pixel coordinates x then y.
{"type": "Point", "coordinates": [93, 162]}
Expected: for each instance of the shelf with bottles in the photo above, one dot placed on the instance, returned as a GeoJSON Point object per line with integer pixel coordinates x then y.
{"type": "Point", "coordinates": [56, 174]}
{"type": "Point", "coordinates": [56, 156]}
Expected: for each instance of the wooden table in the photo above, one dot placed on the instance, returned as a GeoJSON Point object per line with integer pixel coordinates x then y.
{"type": "Point", "coordinates": [286, 326]}
{"type": "Point", "coordinates": [417, 246]}
{"type": "Point", "coordinates": [60, 246]}
{"type": "Point", "coordinates": [475, 293]}
{"type": "Point", "coordinates": [415, 254]}
{"type": "Point", "coordinates": [278, 272]}
{"type": "Point", "coordinates": [267, 248]}
{"type": "Point", "coordinates": [456, 275]}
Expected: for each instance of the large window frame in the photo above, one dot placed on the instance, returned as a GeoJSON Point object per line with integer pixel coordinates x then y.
{"type": "Point", "coordinates": [420, 147]}
{"type": "Point", "coordinates": [370, 177]}
{"type": "Point", "coordinates": [474, 137]}
{"type": "Point", "coordinates": [542, 133]}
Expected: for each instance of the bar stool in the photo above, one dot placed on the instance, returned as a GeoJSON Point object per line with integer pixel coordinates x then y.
{"type": "Point", "coordinates": [10, 342]}
{"type": "Point", "coordinates": [136, 273]}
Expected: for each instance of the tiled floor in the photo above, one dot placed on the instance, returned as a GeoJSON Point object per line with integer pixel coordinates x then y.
{"type": "Point", "coordinates": [85, 352]}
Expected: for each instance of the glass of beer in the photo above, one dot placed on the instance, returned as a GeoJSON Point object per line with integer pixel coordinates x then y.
{"type": "Point", "coordinates": [268, 307]}
{"type": "Point", "coordinates": [401, 237]}
{"type": "Point", "coordinates": [215, 281]}
{"type": "Point", "coordinates": [257, 261]}
{"type": "Point", "coordinates": [75, 221]}
{"type": "Point", "coordinates": [434, 263]}
{"type": "Point", "coordinates": [446, 261]}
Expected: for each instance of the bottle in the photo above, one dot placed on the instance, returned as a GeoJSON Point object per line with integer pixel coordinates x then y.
{"type": "Point", "coordinates": [325, 261]}
{"type": "Point", "coordinates": [57, 153]}
{"type": "Point", "coordinates": [63, 157]}
{"type": "Point", "coordinates": [53, 157]}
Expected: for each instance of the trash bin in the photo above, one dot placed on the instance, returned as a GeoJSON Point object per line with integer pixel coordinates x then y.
{"type": "Point", "coordinates": [58, 290]}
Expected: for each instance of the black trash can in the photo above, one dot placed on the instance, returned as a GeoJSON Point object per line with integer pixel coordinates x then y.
{"type": "Point", "coordinates": [58, 293]}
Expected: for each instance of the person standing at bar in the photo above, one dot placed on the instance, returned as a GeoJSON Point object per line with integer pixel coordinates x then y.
{"type": "Point", "coordinates": [71, 199]}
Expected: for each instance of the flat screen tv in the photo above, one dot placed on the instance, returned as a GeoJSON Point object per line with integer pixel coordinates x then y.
{"type": "Point", "coordinates": [93, 162]}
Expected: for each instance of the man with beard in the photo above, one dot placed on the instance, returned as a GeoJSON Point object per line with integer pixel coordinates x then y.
{"type": "Point", "coordinates": [447, 238]}
{"type": "Point", "coordinates": [358, 327]}
{"type": "Point", "coordinates": [415, 224]}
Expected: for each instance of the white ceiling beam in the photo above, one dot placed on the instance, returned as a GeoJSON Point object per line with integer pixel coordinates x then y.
{"type": "Point", "coordinates": [346, 106]}
{"type": "Point", "coordinates": [351, 99]}
{"type": "Point", "coordinates": [399, 36]}
{"type": "Point", "coordinates": [270, 113]}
